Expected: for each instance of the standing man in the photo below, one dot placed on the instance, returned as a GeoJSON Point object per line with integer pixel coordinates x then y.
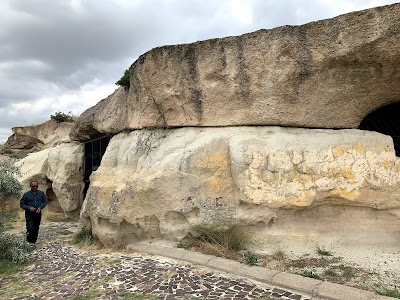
{"type": "Point", "coordinates": [33, 202]}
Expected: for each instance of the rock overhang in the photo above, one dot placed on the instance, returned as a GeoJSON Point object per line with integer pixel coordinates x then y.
{"type": "Point", "coordinates": [325, 74]}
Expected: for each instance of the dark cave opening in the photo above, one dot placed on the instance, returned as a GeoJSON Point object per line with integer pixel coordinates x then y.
{"type": "Point", "coordinates": [385, 120]}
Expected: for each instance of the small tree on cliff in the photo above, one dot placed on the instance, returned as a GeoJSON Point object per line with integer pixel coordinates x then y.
{"type": "Point", "coordinates": [124, 80]}
{"type": "Point", "coordinates": [62, 117]}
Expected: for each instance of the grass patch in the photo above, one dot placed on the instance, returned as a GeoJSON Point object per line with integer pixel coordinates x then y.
{"type": "Point", "coordinates": [330, 273]}
{"type": "Point", "coordinates": [64, 232]}
{"type": "Point", "coordinates": [7, 267]}
{"type": "Point", "coordinates": [11, 288]}
{"type": "Point", "coordinates": [395, 293]}
{"type": "Point", "coordinates": [6, 220]}
{"type": "Point", "coordinates": [8, 216]}
{"type": "Point", "coordinates": [347, 271]}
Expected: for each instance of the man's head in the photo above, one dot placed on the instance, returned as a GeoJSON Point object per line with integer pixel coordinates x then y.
{"type": "Point", "coordinates": [34, 185]}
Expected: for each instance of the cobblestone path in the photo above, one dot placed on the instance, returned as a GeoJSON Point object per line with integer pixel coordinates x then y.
{"type": "Point", "coordinates": [63, 271]}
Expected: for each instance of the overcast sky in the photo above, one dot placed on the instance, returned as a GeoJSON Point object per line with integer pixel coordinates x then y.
{"type": "Point", "coordinates": [66, 55]}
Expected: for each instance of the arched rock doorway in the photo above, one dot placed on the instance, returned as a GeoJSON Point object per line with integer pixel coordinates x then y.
{"type": "Point", "coordinates": [54, 204]}
{"type": "Point", "coordinates": [385, 120]}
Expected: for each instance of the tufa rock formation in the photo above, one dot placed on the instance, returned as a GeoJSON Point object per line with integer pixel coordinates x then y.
{"type": "Point", "coordinates": [59, 171]}
{"type": "Point", "coordinates": [288, 187]}
{"type": "Point", "coordinates": [194, 142]}
{"type": "Point", "coordinates": [155, 184]}
{"type": "Point", "coordinates": [325, 74]}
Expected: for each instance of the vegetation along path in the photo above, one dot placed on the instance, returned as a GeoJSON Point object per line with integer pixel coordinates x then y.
{"type": "Point", "coordinates": [61, 270]}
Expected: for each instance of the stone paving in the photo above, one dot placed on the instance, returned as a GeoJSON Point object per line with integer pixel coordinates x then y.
{"type": "Point", "coordinates": [63, 271]}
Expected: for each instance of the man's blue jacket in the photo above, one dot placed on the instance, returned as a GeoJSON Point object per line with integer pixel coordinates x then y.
{"type": "Point", "coordinates": [37, 200]}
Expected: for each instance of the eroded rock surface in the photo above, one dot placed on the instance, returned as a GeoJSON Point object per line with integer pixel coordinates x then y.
{"type": "Point", "coordinates": [157, 183]}
{"type": "Point", "coordinates": [59, 169]}
{"type": "Point", "coordinates": [325, 74]}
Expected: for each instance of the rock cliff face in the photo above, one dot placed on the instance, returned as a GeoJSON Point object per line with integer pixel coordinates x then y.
{"type": "Point", "coordinates": [155, 184]}
{"type": "Point", "coordinates": [325, 74]}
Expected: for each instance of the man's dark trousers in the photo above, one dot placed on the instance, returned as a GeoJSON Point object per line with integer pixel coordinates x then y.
{"type": "Point", "coordinates": [32, 225]}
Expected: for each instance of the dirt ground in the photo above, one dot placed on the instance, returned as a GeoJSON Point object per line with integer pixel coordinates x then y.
{"type": "Point", "coordinates": [369, 269]}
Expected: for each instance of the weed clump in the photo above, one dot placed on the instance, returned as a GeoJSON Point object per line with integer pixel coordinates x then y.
{"type": "Point", "coordinates": [83, 237]}
{"type": "Point", "coordinates": [217, 241]}
{"type": "Point", "coordinates": [233, 238]}
{"type": "Point", "coordinates": [251, 258]}
{"type": "Point", "coordinates": [310, 274]}
{"type": "Point", "coordinates": [395, 293]}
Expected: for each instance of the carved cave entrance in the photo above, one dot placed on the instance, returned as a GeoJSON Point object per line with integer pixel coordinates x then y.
{"type": "Point", "coordinates": [94, 151]}
{"type": "Point", "coordinates": [54, 204]}
{"type": "Point", "coordinates": [385, 120]}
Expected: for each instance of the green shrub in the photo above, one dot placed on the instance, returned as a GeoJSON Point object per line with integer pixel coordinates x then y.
{"type": "Point", "coordinates": [14, 248]}
{"type": "Point", "coordinates": [124, 80]}
{"type": "Point", "coordinates": [60, 117]}
{"type": "Point", "coordinates": [251, 258]}
{"type": "Point", "coordinates": [9, 185]}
